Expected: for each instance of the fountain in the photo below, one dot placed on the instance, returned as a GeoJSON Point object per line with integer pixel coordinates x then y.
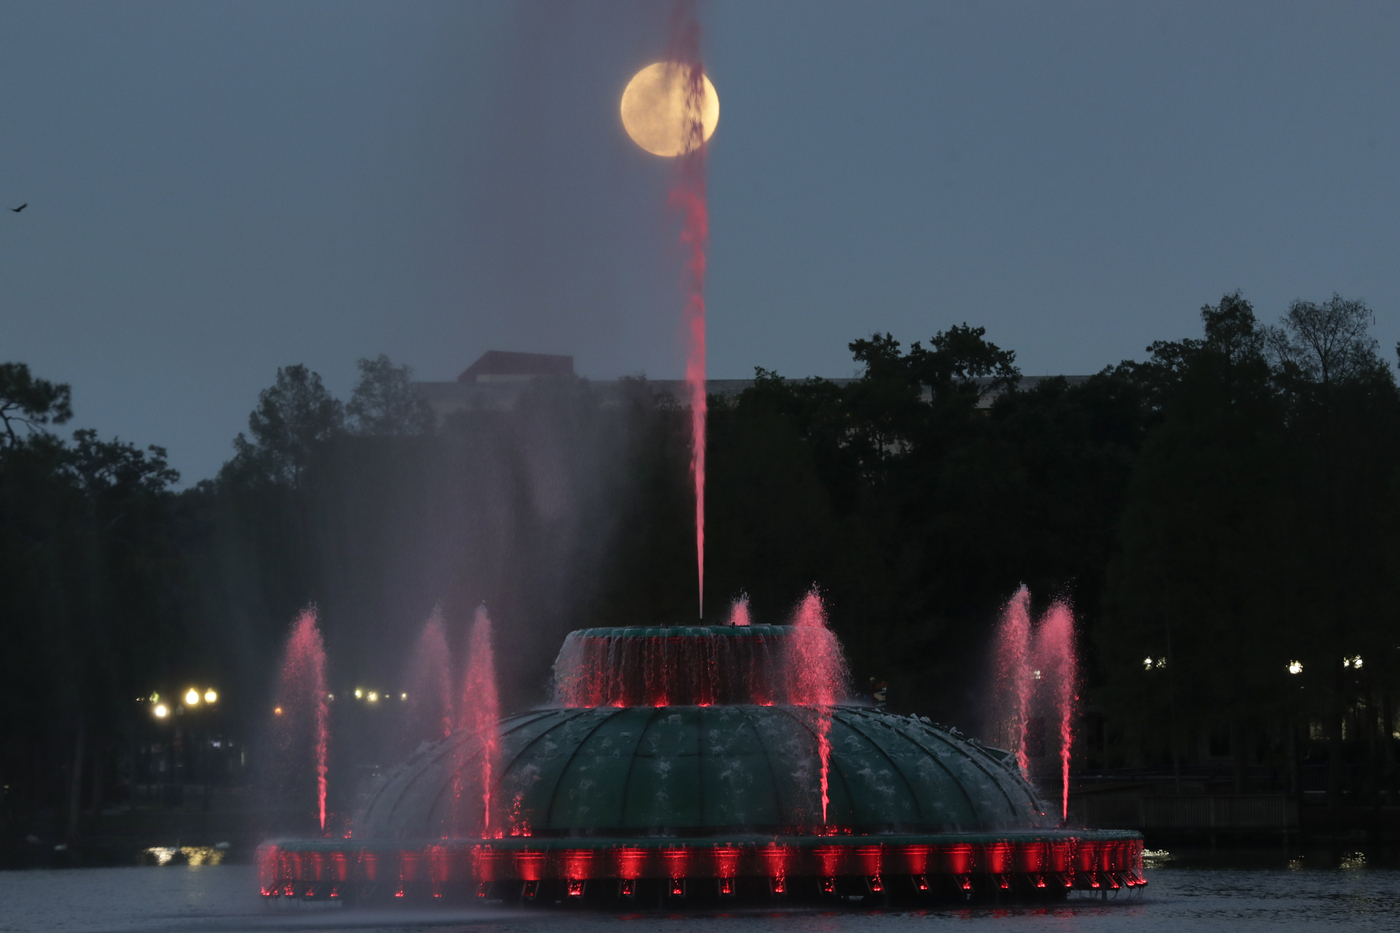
{"type": "Point", "coordinates": [695, 765]}
{"type": "Point", "coordinates": [301, 715]}
{"type": "Point", "coordinates": [704, 764]}
{"type": "Point", "coordinates": [1037, 671]}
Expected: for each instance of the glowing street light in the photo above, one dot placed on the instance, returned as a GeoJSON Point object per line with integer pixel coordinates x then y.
{"type": "Point", "coordinates": [373, 697]}
{"type": "Point", "coordinates": [359, 693]}
{"type": "Point", "coordinates": [1353, 662]}
{"type": "Point", "coordinates": [192, 697]}
{"type": "Point", "coordinates": [161, 711]}
{"type": "Point", "coordinates": [1295, 667]}
{"type": "Point", "coordinates": [211, 696]}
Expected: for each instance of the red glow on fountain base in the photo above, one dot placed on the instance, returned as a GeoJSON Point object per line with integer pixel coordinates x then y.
{"type": "Point", "coordinates": [896, 870]}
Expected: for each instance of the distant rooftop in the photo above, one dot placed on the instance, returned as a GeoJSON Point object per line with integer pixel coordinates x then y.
{"type": "Point", "coordinates": [508, 366]}
{"type": "Point", "coordinates": [497, 379]}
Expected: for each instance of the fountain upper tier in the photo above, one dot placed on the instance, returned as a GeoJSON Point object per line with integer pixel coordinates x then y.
{"type": "Point", "coordinates": [693, 665]}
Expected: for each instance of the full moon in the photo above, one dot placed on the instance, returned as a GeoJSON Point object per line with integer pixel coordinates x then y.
{"type": "Point", "coordinates": [653, 109]}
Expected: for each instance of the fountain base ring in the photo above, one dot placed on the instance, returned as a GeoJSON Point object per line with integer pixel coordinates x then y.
{"type": "Point", "coordinates": [746, 868]}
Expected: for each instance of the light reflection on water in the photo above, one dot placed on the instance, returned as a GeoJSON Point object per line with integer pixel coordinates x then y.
{"type": "Point", "coordinates": [1210, 898]}
{"type": "Point", "coordinates": [194, 856]}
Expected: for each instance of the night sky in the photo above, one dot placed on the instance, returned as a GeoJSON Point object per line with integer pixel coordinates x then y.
{"type": "Point", "coordinates": [218, 189]}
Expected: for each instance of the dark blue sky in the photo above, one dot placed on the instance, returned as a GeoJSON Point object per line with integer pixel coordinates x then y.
{"type": "Point", "coordinates": [219, 189]}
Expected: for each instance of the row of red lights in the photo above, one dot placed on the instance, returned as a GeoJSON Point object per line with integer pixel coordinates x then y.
{"type": "Point", "coordinates": [1095, 864]}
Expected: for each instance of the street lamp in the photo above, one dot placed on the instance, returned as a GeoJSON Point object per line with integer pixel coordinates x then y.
{"type": "Point", "coordinates": [1295, 667]}
{"type": "Point", "coordinates": [192, 697]}
{"type": "Point", "coordinates": [211, 696]}
{"type": "Point", "coordinates": [161, 711]}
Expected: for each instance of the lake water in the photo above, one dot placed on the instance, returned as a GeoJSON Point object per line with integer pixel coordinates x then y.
{"type": "Point", "coordinates": [1179, 898]}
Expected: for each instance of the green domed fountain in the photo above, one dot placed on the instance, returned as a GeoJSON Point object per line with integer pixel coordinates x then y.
{"type": "Point", "coordinates": [685, 765]}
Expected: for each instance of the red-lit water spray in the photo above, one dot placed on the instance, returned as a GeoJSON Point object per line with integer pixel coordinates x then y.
{"type": "Point", "coordinates": [1013, 675]}
{"type": "Point", "coordinates": [302, 700]}
{"type": "Point", "coordinates": [480, 711]}
{"type": "Point", "coordinates": [688, 196]}
{"type": "Point", "coordinates": [430, 681]}
{"type": "Point", "coordinates": [739, 611]}
{"type": "Point", "coordinates": [1037, 671]}
{"type": "Point", "coordinates": [1056, 659]}
{"type": "Point", "coordinates": [817, 676]}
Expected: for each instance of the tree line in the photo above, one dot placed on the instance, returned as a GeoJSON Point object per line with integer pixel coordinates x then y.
{"type": "Point", "coordinates": [1222, 515]}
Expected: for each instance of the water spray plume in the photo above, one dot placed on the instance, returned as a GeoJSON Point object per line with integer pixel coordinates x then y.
{"type": "Point", "coordinates": [739, 611]}
{"type": "Point", "coordinates": [817, 677]}
{"type": "Point", "coordinates": [1057, 659]}
{"type": "Point", "coordinates": [480, 711]}
{"type": "Point", "coordinates": [688, 196]}
{"type": "Point", "coordinates": [303, 695]}
{"type": "Point", "coordinates": [430, 681]}
{"type": "Point", "coordinates": [1013, 675]}
{"type": "Point", "coordinates": [1037, 668]}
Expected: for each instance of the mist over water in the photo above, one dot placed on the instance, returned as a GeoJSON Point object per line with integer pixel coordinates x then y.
{"type": "Point", "coordinates": [553, 222]}
{"type": "Point", "coordinates": [431, 711]}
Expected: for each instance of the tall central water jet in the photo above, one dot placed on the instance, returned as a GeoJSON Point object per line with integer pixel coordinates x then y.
{"type": "Point", "coordinates": [688, 196]}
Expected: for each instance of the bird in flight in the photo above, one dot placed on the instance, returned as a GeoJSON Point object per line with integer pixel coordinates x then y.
{"type": "Point", "coordinates": [20, 208]}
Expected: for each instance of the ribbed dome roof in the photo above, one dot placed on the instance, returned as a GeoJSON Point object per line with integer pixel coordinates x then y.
{"type": "Point", "coordinates": [705, 770]}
